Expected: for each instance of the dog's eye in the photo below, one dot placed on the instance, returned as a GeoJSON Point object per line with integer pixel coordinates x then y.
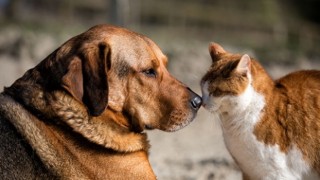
{"type": "Point", "coordinates": [150, 73]}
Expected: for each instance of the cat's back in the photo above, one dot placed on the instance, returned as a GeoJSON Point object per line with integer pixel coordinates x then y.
{"type": "Point", "coordinates": [300, 80]}
{"type": "Point", "coordinates": [300, 92]}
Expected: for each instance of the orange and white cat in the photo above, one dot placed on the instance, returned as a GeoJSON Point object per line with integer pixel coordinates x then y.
{"type": "Point", "coordinates": [271, 128]}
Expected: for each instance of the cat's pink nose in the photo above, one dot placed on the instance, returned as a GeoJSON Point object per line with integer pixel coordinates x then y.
{"type": "Point", "coordinates": [204, 104]}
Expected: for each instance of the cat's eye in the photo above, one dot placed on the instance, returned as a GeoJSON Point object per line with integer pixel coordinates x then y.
{"type": "Point", "coordinates": [150, 73]}
{"type": "Point", "coordinates": [215, 92]}
{"type": "Point", "coordinates": [225, 75]}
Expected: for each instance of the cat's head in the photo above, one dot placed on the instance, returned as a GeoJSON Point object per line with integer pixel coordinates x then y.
{"type": "Point", "coordinates": [226, 85]}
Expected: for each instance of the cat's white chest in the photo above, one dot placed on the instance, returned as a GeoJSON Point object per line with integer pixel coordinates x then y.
{"type": "Point", "coordinates": [261, 161]}
{"type": "Point", "coordinates": [256, 159]}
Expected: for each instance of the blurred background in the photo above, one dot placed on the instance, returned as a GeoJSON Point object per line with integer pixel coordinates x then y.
{"type": "Point", "coordinates": [284, 35]}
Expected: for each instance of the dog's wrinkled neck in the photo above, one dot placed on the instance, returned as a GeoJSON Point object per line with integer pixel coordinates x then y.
{"type": "Point", "coordinates": [24, 88]}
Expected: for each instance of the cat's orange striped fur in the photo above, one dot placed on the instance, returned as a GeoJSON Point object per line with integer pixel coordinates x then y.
{"type": "Point", "coordinates": [271, 128]}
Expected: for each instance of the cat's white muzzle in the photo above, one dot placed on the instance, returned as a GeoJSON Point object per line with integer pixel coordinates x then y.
{"type": "Point", "coordinates": [208, 102]}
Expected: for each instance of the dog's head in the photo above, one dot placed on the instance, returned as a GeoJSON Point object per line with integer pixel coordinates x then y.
{"type": "Point", "coordinates": [111, 67]}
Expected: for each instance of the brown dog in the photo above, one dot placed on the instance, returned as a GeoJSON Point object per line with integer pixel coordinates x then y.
{"type": "Point", "coordinates": [80, 113]}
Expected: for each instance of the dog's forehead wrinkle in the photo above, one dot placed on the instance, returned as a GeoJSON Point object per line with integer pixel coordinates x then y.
{"type": "Point", "coordinates": [155, 51]}
{"type": "Point", "coordinates": [138, 51]}
{"type": "Point", "coordinates": [155, 63]}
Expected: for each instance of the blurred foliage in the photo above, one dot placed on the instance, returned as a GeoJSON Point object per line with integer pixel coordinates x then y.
{"type": "Point", "coordinates": [276, 30]}
{"type": "Point", "coordinates": [309, 9]}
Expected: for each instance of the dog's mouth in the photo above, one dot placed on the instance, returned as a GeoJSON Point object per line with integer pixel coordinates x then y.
{"type": "Point", "coordinates": [178, 119]}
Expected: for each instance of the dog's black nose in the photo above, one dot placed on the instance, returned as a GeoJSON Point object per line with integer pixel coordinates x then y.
{"type": "Point", "coordinates": [196, 102]}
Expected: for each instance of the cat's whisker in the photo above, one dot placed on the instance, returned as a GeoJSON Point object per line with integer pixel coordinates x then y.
{"type": "Point", "coordinates": [217, 119]}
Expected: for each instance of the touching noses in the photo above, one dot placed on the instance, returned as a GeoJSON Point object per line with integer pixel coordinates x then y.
{"type": "Point", "coordinates": [195, 100]}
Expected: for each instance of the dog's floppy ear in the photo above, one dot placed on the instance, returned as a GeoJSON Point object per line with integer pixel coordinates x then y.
{"type": "Point", "coordinates": [86, 77]}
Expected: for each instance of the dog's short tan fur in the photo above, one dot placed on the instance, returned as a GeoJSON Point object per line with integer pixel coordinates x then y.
{"type": "Point", "coordinates": [83, 109]}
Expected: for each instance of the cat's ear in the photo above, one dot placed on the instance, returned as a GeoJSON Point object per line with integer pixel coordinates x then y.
{"type": "Point", "coordinates": [244, 64]}
{"type": "Point", "coordinates": [215, 51]}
